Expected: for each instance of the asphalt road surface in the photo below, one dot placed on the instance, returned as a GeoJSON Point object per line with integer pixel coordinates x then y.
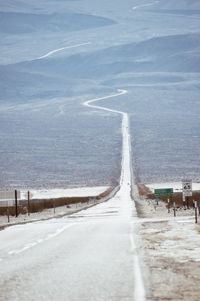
{"type": "Point", "coordinates": [90, 255]}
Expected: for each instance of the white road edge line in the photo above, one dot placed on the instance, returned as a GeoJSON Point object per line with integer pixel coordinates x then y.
{"type": "Point", "coordinates": [41, 240]}
{"type": "Point", "coordinates": [60, 49]}
{"type": "Point", "coordinates": [139, 292]}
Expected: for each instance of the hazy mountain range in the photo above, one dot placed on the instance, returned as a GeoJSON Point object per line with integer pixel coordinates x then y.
{"type": "Point", "coordinates": [56, 54]}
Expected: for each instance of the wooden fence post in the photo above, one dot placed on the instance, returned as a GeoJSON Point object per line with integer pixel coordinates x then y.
{"type": "Point", "coordinates": [16, 205]}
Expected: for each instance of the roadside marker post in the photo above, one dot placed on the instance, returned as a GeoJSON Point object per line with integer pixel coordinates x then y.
{"type": "Point", "coordinates": [16, 205]}
{"type": "Point", "coordinates": [54, 207]}
{"type": "Point", "coordinates": [168, 205]}
{"type": "Point", "coordinates": [28, 207]}
{"type": "Point", "coordinates": [174, 205]}
{"type": "Point", "coordinates": [8, 215]}
{"type": "Point", "coordinates": [184, 204]}
{"type": "Point", "coordinates": [195, 207]}
{"type": "Point", "coordinates": [187, 202]}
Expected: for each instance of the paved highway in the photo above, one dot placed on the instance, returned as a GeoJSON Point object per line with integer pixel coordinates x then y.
{"type": "Point", "coordinates": [90, 255]}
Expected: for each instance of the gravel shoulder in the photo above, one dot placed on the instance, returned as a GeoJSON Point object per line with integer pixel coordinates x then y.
{"type": "Point", "coordinates": [170, 249]}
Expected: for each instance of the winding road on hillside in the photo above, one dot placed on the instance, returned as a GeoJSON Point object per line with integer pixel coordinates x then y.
{"type": "Point", "coordinates": [90, 255]}
{"type": "Point", "coordinates": [61, 49]}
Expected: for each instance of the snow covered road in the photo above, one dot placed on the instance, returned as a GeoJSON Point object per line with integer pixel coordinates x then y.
{"type": "Point", "coordinates": [90, 255]}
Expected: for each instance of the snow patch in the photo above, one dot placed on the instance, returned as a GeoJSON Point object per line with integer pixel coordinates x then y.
{"type": "Point", "coordinates": [60, 193]}
{"type": "Point", "coordinates": [177, 186]}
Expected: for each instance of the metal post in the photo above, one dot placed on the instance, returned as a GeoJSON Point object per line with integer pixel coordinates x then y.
{"type": "Point", "coordinates": [8, 214]}
{"type": "Point", "coordinates": [195, 206]}
{"type": "Point", "coordinates": [187, 202]}
{"type": "Point", "coordinates": [157, 201]}
{"type": "Point", "coordinates": [168, 205]}
{"type": "Point", "coordinates": [174, 205]}
{"type": "Point", "coordinates": [28, 207]}
{"type": "Point", "coordinates": [184, 206]}
{"type": "Point", "coordinates": [16, 205]}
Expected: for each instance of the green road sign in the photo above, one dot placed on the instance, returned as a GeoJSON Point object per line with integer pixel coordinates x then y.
{"type": "Point", "coordinates": [163, 192]}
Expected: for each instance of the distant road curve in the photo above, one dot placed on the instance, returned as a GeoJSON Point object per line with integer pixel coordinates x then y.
{"type": "Point", "coordinates": [144, 5]}
{"type": "Point", "coordinates": [61, 49]}
{"type": "Point", "coordinates": [88, 103]}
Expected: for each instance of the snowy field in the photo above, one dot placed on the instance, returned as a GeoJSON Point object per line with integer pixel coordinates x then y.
{"type": "Point", "coordinates": [59, 193]}
{"type": "Point", "coordinates": [170, 249]}
{"type": "Point", "coordinates": [177, 186]}
{"type": "Point", "coordinates": [55, 55]}
{"type": "Point", "coordinates": [59, 211]}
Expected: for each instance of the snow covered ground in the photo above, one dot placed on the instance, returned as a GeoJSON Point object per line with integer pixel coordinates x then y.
{"type": "Point", "coordinates": [59, 193]}
{"type": "Point", "coordinates": [170, 248]}
{"type": "Point", "coordinates": [46, 214]}
{"type": "Point", "coordinates": [177, 186]}
{"type": "Point", "coordinates": [58, 211]}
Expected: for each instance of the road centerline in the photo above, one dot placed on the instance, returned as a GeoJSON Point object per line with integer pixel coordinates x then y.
{"type": "Point", "coordinates": [41, 240]}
